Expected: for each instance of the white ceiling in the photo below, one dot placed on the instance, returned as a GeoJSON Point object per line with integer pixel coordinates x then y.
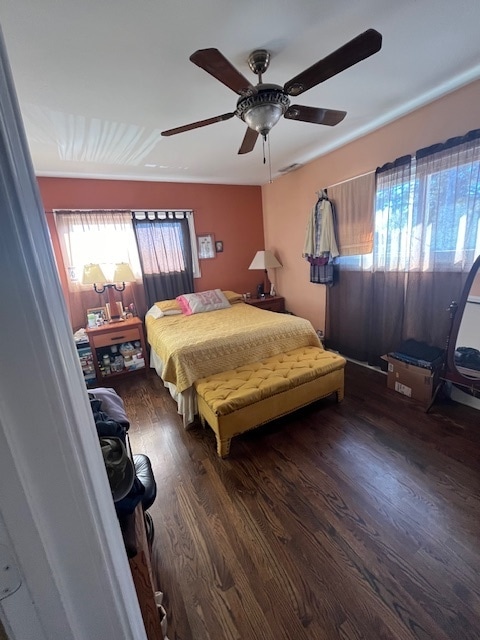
{"type": "Point", "coordinates": [98, 80]}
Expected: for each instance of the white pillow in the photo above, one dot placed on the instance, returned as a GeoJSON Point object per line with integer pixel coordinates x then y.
{"type": "Point", "coordinates": [204, 301]}
{"type": "Point", "coordinates": [155, 312]}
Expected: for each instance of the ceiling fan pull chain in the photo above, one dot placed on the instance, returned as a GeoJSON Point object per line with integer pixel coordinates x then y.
{"type": "Point", "coordinates": [263, 149]}
{"type": "Point", "coordinates": [269, 162]}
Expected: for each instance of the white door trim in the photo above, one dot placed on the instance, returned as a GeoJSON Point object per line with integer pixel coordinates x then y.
{"type": "Point", "coordinates": [55, 504]}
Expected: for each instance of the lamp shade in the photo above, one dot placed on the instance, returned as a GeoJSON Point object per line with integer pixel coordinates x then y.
{"type": "Point", "coordinates": [93, 274]}
{"type": "Point", "coordinates": [264, 260]}
{"type": "Point", "coordinates": [123, 273]}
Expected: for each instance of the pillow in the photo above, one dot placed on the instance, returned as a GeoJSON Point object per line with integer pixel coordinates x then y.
{"type": "Point", "coordinates": [204, 301]}
{"type": "Point", "coordinates": [168, 305]}
{"type": "Point", "coordinates": [233, 297]}
{"type": "Point", "coordinates": [155, 312]}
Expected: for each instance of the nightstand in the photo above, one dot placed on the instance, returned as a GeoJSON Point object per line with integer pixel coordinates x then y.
{"type": "Point", "coordinates": [269, 303]}
{"type": "Point", "coordinates": [105, 341]}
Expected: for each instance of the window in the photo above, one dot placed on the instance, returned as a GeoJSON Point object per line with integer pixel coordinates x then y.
{"type": "Point", "coordinates": [447, 200]}
{"type": "Point", "coordinates": [103, 237]}
{"type": "Point", "coordinates": [163, 245]}
{"type": "Point", "coordinates": [166, 240]}
{"type": "Point", "coordinates": [167, 252]}
{"type": "Point", "coordinates": [426, 237]}
{"type": "Point", "coordinates": [427, 211]}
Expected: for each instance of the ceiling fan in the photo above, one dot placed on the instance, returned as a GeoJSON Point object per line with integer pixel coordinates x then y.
{"type": "Point", "coordinates": [261, 106]}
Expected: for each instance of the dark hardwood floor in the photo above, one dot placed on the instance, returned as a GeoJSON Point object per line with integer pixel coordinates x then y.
{"type": "Point", "coordinates": [357, 521]}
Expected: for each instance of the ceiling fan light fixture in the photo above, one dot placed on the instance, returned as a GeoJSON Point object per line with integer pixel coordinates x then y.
{"type": "Point", "coordinates": [262, 110]}
{"type": "Point", "coordinates": [263, 117]}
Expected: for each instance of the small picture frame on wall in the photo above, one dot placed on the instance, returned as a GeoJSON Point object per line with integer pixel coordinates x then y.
{"type": "Point", "coordinates": [206, 246]}
{"type": "Point", "coordinates": [219, 246]}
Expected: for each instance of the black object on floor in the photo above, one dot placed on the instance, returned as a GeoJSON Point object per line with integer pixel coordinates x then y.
{"type": "Point", "coordinates": [144, 473]}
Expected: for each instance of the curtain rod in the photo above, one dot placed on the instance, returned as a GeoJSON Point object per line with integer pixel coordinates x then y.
{"type": "Point", "coordinates": [161, 210]}
{"type": "Point", "coordinates": [349, 179]}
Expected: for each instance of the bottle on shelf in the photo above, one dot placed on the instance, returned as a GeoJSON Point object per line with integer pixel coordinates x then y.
{"type": "Point", "coordinates": [119, 363]}
{"type": "Point", "coordinates": [106, 365]}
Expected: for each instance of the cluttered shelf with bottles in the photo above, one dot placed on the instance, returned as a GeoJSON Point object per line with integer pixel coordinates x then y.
{"type": "Point", "coordinates": [111, 350]}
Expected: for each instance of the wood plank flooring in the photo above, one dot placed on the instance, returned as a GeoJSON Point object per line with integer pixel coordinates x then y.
{"type": "Point", "coordinates": [357, 521]}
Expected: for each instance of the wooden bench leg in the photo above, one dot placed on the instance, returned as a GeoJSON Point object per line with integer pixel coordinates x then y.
{"type": "Point", "coordinates": [340, 394]}
{"type": "Point", "coordinates": [223, 446]}
{"type": "Point", "coordinates": [202, 421]}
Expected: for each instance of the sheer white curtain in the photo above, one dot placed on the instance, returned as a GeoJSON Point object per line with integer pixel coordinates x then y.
{"type": "Point", "coordinates": [427, 211]}
{"type": "Point", "coordinates": [393, 216]}
{"type": "Point", "coordinates": [103, 237]}
{"type": "Point", "coordinates": [446, 206]}
{"type": "Point", "coordinates": [164, 214]}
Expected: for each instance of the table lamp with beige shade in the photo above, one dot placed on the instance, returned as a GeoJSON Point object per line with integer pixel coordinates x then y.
{"type": "Point", "coordinates": [265, 260]}
{"type": "Point", "coordinates": [93, 274]}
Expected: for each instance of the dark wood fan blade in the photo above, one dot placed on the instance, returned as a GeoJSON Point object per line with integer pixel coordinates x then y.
{"type": "Point", "coordinates": [330, 117]}
{"type": "Point", "coordinates": [361, 47]}
{"type": "Point", "coordinates": [249, 141]}
{"type": "Point", "coordinates": [197, 125]}
{"type": "Point", "coordinates": [215, 63]}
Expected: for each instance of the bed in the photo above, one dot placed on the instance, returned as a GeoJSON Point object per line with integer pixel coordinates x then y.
{"type": "Point", "coordinates": [185, 348]}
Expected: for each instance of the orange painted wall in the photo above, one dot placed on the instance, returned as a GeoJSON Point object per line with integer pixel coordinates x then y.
{"type": "Point", "coordinates": [232, 213]}
{"type": "Point", "coordinates": [287, 201]}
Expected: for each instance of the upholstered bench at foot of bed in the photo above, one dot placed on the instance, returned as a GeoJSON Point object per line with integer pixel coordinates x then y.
{"type": "Point", "coordinates": [236, 401]}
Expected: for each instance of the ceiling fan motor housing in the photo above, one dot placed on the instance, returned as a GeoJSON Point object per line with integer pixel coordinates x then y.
{"type": "Point", "coordinates": [259, 61]}
{"type": "Point", "coordinates": [264, 108]}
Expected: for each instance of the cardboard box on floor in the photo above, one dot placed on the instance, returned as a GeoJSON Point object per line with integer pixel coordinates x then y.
{"type": "Point", "coordinates": [415, 382]}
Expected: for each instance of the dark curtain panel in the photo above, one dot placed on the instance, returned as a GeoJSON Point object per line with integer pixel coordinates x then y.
{"type": "Point", "coordinates": [372, 313]}
{"type": "Point", "coordinates": [350, 306]}
{"type": "Point", "coordinates": [387, 319]}
{"type": "Point", "coordinates": [165, 255]}
{"type": "Point", "coordinates": [427, 298]}
{"type": "Point", "coordinates": [365, 314]}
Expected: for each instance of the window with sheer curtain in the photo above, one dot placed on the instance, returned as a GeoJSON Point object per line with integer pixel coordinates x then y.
{"type": "Point", "coordinates": [101, 237]}
{"type": "Point", "coordinates": [428, 211]}
{"type": "Point", "coordinates": [168, 255]}
{"type": "Point", "coordinates": [427, 235]}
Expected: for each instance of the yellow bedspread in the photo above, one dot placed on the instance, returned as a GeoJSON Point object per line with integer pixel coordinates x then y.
{"type": "Point", "coordinates": [196, 346]}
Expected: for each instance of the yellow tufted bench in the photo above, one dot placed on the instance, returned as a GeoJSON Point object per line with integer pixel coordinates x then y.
{"type": "Point", "coordinates": [235, 401]}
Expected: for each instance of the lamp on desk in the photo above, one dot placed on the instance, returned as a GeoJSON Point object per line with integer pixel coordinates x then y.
{"type": "Point", "coordinates": [264, 260]}
{"type": "Point", "coordinates": [93, 274]}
